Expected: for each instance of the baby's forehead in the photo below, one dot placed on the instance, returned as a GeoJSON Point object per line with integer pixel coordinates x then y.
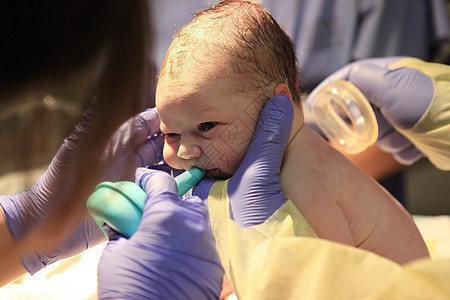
{"type": "Point", "coordinates": [201, 91]}
{"type": "Point", "coordinates": [203, 75]}
{"type": "Point", "coordinates": [197, 56]}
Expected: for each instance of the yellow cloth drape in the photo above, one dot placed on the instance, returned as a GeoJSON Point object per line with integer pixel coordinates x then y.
{"type": "Point", "coordinates": [283, 259]}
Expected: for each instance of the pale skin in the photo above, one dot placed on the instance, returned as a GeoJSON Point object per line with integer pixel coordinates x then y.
{"type": "Point", "coordinates": [341, 202]}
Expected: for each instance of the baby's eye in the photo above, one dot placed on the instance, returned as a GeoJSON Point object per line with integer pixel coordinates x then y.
{"type": "Point", "coordinates": [172, 137]}
{"type": "Point", "coordinates": [207, 126]}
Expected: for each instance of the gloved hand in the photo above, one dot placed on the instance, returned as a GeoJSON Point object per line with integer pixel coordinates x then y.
{"type": "Point", "coordinates": [24, 211]}
{"type": "Point", "coordinates": [255, 190]}
{"type": "Point", "coordinates": [172, 255]}
{"type": "Point", "coordinates": [140, 138]}
{"type": "Point", "coordinates": [399, 96]}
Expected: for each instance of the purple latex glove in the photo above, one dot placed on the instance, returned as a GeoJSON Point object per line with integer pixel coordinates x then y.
{"type": "Point", "coordinates": [24, 211]}
{"type": "Point", "coordinates": [255, 190]}
{"type": "Point", "coordinates": [400, 98]}
{"type": "Point", "coordinates": [172, 255]}
{"type": "Point", "coordinates": [141, 139]}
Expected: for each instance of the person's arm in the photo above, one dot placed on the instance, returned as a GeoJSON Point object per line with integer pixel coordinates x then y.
{"type": "Point", "coordinates": [10, 263]}
{"type": "Point", "coordinates": [137, 138]}
{"type": "Point", "coordinates": [375, 162]}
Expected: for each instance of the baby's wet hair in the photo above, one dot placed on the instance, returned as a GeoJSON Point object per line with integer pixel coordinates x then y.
{"type": "Point", "coordinates": [245, 38]}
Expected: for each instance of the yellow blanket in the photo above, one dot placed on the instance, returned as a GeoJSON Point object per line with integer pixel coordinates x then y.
{"type": "Point", "coordinates": [283, 259]}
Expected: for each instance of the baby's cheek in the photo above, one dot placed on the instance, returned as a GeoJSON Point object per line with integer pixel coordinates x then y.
{"type": "Point", "coordinates": [170, 157]}
{"type": "Point", "coordinates": [230, 160]}
{"type": "Point", "coordinates": [227, 156]}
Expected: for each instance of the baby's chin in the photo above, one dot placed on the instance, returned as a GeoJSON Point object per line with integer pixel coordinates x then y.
{"type": "Point", "coordinates": [219, 174]}
{"type": "Point", "coordinates": [212, 173]}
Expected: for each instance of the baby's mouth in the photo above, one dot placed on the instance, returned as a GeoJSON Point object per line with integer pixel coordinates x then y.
{"type": "Point", "coordinates": [217, 173]}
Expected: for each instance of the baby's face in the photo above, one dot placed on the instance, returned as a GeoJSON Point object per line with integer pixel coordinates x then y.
{"type": "Point", "coordinates": [207, 122]}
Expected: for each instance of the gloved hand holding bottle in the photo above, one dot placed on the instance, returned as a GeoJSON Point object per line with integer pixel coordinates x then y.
{"type": "Point", "coordinates": [172, 255]}
{"type": "Point", "coordinates": [410, 99]}
{"type": "Point", "coordinates": [24, 211]}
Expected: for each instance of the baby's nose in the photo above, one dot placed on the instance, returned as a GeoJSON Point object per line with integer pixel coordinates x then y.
{"type": "Point", "coordinates": [186, 151]}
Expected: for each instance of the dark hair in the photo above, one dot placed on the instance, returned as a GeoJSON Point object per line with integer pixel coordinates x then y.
{"type": "Point", "coordinates": [49, 44]}
{"type": "Point", "coordinates": [246, 32]}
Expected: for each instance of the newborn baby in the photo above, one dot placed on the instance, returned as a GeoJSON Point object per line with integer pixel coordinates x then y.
{"type": "Point", "coordinates": [217, 75]}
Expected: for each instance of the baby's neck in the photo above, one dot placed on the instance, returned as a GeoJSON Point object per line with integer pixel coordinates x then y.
{"type": "Point", "coordinates": [297, 122]}
{"type": "Point", "coordinates": [304, 142]}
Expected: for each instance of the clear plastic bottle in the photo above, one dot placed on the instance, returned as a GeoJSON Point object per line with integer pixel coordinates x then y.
{"type": "Point", "coordinates": [345, 116]}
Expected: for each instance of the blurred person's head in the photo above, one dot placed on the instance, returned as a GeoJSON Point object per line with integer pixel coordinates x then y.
{"type": "Point", "coordinates": [69, 57]}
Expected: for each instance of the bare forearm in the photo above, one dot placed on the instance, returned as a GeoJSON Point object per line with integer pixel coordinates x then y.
{"type": "Point", "coordinates": [10, 264]}
{"type": "Point", "coordinates": [376, 163]}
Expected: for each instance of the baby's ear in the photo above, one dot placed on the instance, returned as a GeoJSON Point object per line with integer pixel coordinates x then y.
{"type": "Point", "coordinates": [282, 89]}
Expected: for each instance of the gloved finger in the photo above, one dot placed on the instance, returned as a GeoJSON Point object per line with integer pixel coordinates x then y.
{"type": "Point", "coordinates": [163, 166]}
{"type": "Point", "coordinates": [389, 140]}
{"type": "Point", "coordinates": [151, 144]}
{"type": "Point", "coordinates": [162, 199]}
{"type": "Point", "coordinates": [192, 201]}
{"type": "Point", "coordinates": [384, 127]}
{"type": "Point", "coordinates": [150, 121]}
{"type": "Point", "coordinates": [369, 79]}
{"type": "Point", "coordinates": [393, 142]}
{"type": "Point", "coordinates": [271, 134]}
{"type": "Point", "coordinates": [159, 184]}
{"type": "Point", "coordinates": [402, 94]}
{"type": "Point", "coordinates": [161, 202]}
{"type": "Point", "coordinates": [408, 156]}
{"type": "Point", "coordinates": [156, 183]}
{"type": "Point", "coordinates": [258, 177]}
{"type": "Point", "coordinates": [344, 72]}
{"type": "Point", "coordinates": [166, 213]}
